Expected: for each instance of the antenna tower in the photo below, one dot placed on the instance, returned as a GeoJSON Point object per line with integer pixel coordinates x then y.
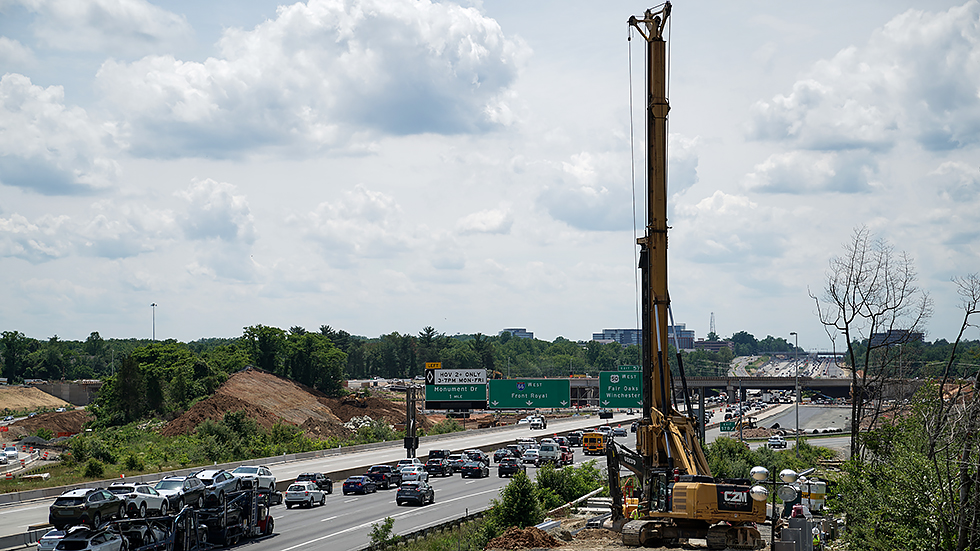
{"type": "Point", "coordinates": [712, 330]}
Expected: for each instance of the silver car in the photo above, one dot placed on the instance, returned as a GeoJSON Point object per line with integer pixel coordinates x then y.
{"type": "Point", "coordinates": [414, 472]}
{"type": "Point", "coordinates": [304, 493]}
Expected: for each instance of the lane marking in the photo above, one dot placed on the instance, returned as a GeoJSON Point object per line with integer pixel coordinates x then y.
{"type": "Point", "coordinates": [328, 518]}
{"type": "Point", "coordinates": [370, 522]}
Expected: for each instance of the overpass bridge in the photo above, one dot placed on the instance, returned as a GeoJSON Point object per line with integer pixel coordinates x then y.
{"type": "Point", "coordinates": [585, 390]}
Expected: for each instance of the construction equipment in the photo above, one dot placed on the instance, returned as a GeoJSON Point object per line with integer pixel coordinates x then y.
{"type": "Point", "coordinates": [678, 498]}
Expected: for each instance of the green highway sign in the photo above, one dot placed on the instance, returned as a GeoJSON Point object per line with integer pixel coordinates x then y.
{"type": "Point", "coordinates": [727, 426]}
{"type": "Point", "coordinates": [620, 389]}
{"type": "Point", "coordinates": [630, 368]}
{"type": "Point", "coordinates": [530, 393]}
{"type": "Point", "coordinates": [456, 396]}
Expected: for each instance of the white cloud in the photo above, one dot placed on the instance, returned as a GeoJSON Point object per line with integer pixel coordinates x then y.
{"type": "Point", "coordinates": [358, 224]}
{"type": "Point", "coordinates": [37, 241]}
{"type": "Point", "coordinates": [682, 161]}
{"type": "Point", "coordinates": [214, 211]}
{"type": "Point", "coordinates": [101, 25]}
{"type": "Point", "coordinates": [318, 73]}
{"type": "Point", "coordinates": [486, 221]}
{"type": "Point", "coordinates": [808, 172]}
{"type": "Point", "coordinates": [48, 147]}
{"type": "Point", "coordinates": [917, 75]}
{"type": "Point", "coordinates": [590, 191]}
{"type": "Point", "coordinates": [108, 230]}
{"type": "Point", "coordinates": [14, 54]}
{"type": "Point", "coordinates": [726, 228]}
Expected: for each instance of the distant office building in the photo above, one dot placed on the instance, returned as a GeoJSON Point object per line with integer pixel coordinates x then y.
{"type": "Point", "coordinates": [685, 336]}
{"type": "Point", "coordinates": [519, 332]}
{"type": "Point", "coordinates": [713, 346]}
{"type": "Point", "coordinates": [893, 337]}
{"type": "Point", "coordinates": [626, 337]}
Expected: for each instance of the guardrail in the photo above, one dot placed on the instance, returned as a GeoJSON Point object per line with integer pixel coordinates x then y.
{"type": "Point", "coordinates": [421, 533]}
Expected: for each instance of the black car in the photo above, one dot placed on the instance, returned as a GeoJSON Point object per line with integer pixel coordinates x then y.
{"type": "Point", "coordinates": [574, 438]}
{"type": "Point", "coordinates": [439, 467]}
{"type": "Point", "coordinates": [502, 453]}
{"type": "Point", "coordinates": [476, 455]}
{"type": "Point", "coordinates": [321, 480]}
{"type": "Point", "coordinates": [415, 491]}
{"type": "Point", "coordinates": [475, 469]}
{"type": "Point", "coordinates": [182, 490]}
{"type": "Point", "coordinates": [510, 466]}
{"type": "Point", "coordinates": [359, 484]}
{"type": "Point", "coordinates": [89, 506]}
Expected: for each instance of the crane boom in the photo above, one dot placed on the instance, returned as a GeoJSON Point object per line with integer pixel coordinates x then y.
{"type": "Point", "coordinates": [678, 496]}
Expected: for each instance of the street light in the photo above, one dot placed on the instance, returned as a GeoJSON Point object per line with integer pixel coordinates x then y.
{"type": "Point", "coordinates": [796, 360]}
{"type": "Point", "coordinates": [786, 492]}
{"type": "Point", "coordinates": [153, 307]}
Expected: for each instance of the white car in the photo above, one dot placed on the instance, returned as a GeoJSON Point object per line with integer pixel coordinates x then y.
{"type": "Point", "coordinates": [411, 461]}
{"type": "Point", "coordinates": [304, 493]}
{"type": "Point", "coordinates": [531, 456]}
{"type": "Point", "coordinates": [265, 477]}
{"type": "Point", "coordinates": [414, 472]}
{"type": "Point", "coordinates": [11, 453]}
{"type": "Point", "coordinates": [91, 540]}
{"type": "Point", "coordinates": [140, 498]}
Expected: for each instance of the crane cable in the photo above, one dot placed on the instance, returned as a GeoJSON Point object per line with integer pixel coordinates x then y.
{"type": "Point", "coordinates": [636, 260]}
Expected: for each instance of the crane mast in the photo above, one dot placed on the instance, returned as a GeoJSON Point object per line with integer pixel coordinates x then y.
{"type": "Point", "coordinates": [678, 497]}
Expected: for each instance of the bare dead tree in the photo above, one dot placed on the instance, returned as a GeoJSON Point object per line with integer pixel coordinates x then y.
{"type": "Point", "coordinates": [871, 290]}
{"type": "Point", "coordinates": [969, 291]}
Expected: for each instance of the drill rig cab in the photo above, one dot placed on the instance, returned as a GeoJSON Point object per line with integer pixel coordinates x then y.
{"type": "Point", "coordinates": [678, 498]}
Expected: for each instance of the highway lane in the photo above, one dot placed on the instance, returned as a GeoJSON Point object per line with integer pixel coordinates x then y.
{"type": "Point", "coordinates": [16, 519]}
{"type": "Point", "coordinates": [345, 521]}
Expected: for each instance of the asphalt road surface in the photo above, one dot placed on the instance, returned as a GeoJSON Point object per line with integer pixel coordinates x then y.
{"type": "Point", "coordinates": [16, 519]}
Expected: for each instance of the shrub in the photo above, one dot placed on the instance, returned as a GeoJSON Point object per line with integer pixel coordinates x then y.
{"type": "Point", "coordinates": [518, 504]}
{"type": "Point", "coordinates": [446, 426]}
{"type": "Point", "coordinates": [134, 463]}
{"type": "Point", "coordinates": [381, 533]}
{"type": "Point", "coordinates": [94, 469]}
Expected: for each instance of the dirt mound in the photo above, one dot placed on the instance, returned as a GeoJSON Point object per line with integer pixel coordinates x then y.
{"type": "Point", "coordinates": [290, 400]}
{"type": "Point", "coordinates": [523, 538]}
{"type": "Point", "coordinates": [373, 407]}
{"type": "Point", "coordinates": [268, 398]}
{"type": "Point", "coordinates": [28, 398]}
{"type": "Point", "coordinates": [214, 408]}
{"type": "Point", "coordinates": [57, 422]}
{"type": "Point", "coordinates": [597, 534]}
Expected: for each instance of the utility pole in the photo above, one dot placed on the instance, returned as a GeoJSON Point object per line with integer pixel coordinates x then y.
{"type": "Point", "coordinates": [796, 360]}
{"type": "Point", "coordinates": [411, 441]}
{"type": "Point", "coordinates": [153, 307]}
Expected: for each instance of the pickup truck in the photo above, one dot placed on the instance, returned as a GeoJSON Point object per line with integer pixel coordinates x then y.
{"type": "Point", "coordinates": [567, 455]}
{"type": "Point", "coordinates": [384, 476]}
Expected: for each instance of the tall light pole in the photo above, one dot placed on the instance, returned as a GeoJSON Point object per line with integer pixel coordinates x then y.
{"type": "Point", "coordinates": [796, 360]}
{"type": "Point", "coordinates": [153, 308]}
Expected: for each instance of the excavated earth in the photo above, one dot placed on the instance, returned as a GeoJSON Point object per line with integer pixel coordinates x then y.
{"type": "Point", "coordinates": [28, 398]}
{"type": "Point", "coordinates": [268, 399]}
{"type": "Point", "coordinates": [57, 422]}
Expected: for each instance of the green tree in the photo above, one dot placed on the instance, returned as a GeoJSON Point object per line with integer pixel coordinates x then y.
{"type": "Point", "coordinates": [265, 346]}
{"type": "Point", "coordinates": [518, 504]}
{"type": "Point", "coordinates": [15, 347]}
{"type": "Point", "coordinates": [312, 359]}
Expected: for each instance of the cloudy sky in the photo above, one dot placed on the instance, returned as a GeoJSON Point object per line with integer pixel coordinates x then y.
{"type": "Point", "coordinates": [384, 165]}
